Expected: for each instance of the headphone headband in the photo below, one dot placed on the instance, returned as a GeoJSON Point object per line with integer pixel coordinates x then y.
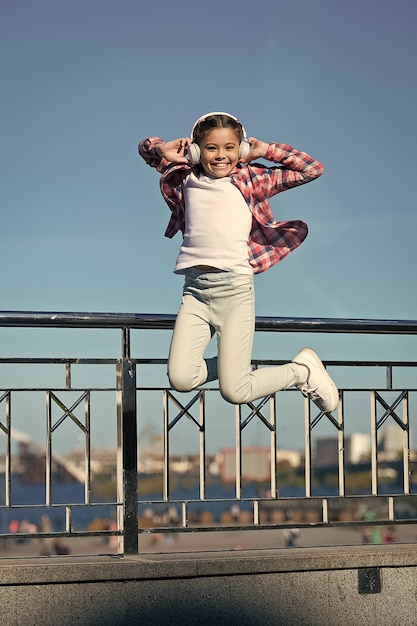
{"type": "Point", "coordinates": [203, 117]}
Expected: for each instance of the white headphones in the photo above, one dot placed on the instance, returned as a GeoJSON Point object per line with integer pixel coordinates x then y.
{"type": "Point", "coordinates": [194, 148]}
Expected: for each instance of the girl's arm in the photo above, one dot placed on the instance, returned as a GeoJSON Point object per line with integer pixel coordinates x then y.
{"type": "Point", "coordinates": [158, 153]}
{"type": "Point", "coordinates": [285, 155]}
{"type": "Point", "coordinates": [294, 160]}
{"type": "Point", "coordinates": [294, 167]}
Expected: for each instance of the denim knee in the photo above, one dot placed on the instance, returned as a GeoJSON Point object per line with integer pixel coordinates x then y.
{"type": "Point", "coordinates": [182, 380]}
{"type": "Point", "coordinates": [179, 382]}
{"type": "Point", "coordinates": [233, 395]}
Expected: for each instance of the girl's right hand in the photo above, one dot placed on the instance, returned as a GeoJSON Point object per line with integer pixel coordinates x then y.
{"type": "Point", "coordinates": [258, 150]}
{"type": "Point", "coordinates": [174, 151]}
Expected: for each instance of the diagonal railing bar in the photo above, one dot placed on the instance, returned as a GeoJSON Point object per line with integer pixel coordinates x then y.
{"type": "Point", "coordinates": [256, 411]}
{"type": "Point", "coordinates": [333, 421]}
{"type": "Point", "coordinates": [271, 426]}
{"type": "Point", "coordinates": [184, 410]}
{"type": "Point", "coordinates": [200, 425]}
{"type": "Point", "coordinates": [5, 395]}
{"type": "Point", "coordinates": [390, 409]}
{"type": "Point", "coordinates": [316, 420]}
{"type": "Point", "coordinates": [376, 399]}
{"type": "Point", "coordinates": [339, 425]}
{"type": "Point", "coordinates": [68, 412]}
{"type": "Point", "coordinates": [319, 417]}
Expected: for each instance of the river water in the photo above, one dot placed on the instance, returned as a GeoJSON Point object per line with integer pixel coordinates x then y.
{"type": "Point", "coordinates": [27, 501]}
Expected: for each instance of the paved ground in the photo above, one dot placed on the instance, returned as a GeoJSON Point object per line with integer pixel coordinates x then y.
{"type": "Point", "coordinates": [205, 541]}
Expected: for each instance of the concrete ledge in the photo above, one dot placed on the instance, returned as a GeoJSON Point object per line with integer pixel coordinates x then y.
{"type": "Point", "coordinates": [334, 586]}
{"type": "Point", "coordinates": [49, 570]}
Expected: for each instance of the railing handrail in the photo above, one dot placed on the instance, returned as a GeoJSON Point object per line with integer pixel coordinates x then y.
{"type": "Point", "coordinates": [164, 321]}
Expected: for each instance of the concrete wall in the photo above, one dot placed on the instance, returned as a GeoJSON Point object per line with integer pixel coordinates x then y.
{"type": "Point", "coordinates": [372, 585]}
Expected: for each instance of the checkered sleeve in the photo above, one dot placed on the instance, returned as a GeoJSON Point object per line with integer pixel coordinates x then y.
{"type": "Point", "coordinates": [145, 149]}
{"type": "Point", "coordinates": [295, 168]}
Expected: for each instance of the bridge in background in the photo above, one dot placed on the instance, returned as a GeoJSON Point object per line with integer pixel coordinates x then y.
{"type": "Point", "coordinates": [31, 462]}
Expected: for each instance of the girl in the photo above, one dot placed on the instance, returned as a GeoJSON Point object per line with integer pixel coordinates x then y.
{"type": "Point", "coordinates": [219, 201]}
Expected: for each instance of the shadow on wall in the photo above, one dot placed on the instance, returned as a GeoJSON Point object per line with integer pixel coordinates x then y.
{"type": "Point", "coordinates": [242, 600]}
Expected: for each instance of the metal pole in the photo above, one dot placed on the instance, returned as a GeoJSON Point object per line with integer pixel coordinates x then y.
{"type": "Point", "coordinates": [127, 455]}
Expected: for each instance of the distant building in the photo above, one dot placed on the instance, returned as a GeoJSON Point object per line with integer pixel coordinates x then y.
{"type": "Point", "coordinates": [326, 452]}
{"type": "Point", "coordinates": [102, 460]}
{"type": "Point", "coordinates": [391, 440]}
{"type": "Point", "coordinates": [256, 463]}
{"type": "Point", "coordinates": [294, 458]}
{"type": "Point", "coordinates": [360, 447]}
{"type": "Point", "coordinates": [357, 448]}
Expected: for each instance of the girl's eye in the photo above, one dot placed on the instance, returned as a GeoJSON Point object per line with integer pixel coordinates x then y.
{"type": "Point", "coordinates": [212, 148]}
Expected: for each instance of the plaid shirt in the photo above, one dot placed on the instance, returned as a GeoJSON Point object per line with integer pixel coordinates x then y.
{"type": "Point", "coordinates": [269, 241]}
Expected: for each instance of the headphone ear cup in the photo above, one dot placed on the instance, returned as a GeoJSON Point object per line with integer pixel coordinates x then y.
{"type": "Point", "coordinates": [244, 149]}
{"type": "Point", "coordinates": [194, 153]}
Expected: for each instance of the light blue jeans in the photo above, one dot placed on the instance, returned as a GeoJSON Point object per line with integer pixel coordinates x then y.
{"type": "Point", "coordinates": [222, 303]}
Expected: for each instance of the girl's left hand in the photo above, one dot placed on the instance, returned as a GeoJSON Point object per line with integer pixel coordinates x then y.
{"type": "Point", "coordinates": [258, 150]}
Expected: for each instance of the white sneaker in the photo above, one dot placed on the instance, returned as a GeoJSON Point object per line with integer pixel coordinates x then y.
{"type": "Point", "coordinates": [319, 386]}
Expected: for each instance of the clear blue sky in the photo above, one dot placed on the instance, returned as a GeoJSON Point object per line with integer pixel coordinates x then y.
{"type": "Point", "coordinates": [82, 220]}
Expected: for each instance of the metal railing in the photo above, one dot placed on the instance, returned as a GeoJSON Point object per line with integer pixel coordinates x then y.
{"type": "Point", "coordinates": [261, 510]}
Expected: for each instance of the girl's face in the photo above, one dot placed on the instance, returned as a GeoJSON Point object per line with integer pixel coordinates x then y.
{"type": "Point", "coordinates": [219, 152]}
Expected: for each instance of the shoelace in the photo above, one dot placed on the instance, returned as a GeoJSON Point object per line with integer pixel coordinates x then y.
{"type": "Point", "coordinates": [310, 392]}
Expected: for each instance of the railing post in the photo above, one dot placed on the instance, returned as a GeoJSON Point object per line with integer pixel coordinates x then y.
{"type": "Point", "coordinates": [127, 477]}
